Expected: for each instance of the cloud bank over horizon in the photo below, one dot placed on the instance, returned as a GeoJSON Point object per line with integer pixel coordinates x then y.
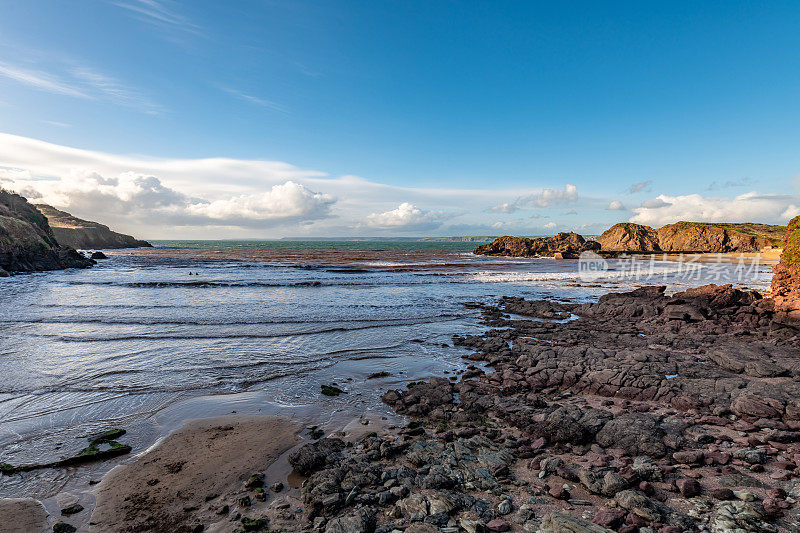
{"type": "Point", "coordinates": [239, 198]}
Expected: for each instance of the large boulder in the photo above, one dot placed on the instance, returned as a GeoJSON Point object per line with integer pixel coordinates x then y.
{"type": "Point", "coordinates": [315, 455]}
{"type": "Point", "coordinates": [636, 433]}
{"type": "Point", "coordinates": [629, 237]}
{"type": "Point", "coordinates": [786, 281]}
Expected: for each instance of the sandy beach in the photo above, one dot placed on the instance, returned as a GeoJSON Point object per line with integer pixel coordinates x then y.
{"type": "Point", "coordinates": [22, 515]}
{"type": "Point", "coordinates": [199, 468]}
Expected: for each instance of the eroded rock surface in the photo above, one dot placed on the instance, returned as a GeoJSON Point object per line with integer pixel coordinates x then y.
{"type": "Point", "coordinates": [568, 245]}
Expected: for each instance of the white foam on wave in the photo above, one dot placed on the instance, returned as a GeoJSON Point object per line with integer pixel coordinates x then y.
{"type": "Point", "coordinates": [654, 274]}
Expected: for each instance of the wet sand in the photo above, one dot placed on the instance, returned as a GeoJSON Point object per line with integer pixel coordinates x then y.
{"type": "Point", "coordinates": [22, 515]}
{"type": "Point", "coordinates": [201, 468]}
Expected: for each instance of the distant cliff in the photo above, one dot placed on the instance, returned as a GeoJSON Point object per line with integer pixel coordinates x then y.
{"type": "Point", "coordinates": [27, 242]}
{"type": "Point", "coordinates": [84, 234]}
{"type": "Point", "coordinates": [786, 281]}
{"type": "Point", "coordinates": [691, 237]}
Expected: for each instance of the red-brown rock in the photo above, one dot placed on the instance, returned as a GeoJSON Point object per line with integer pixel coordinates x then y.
{"type": "Point", "coordinates": [786, 281]}
{"type": "Point", "coordinates": [688, 487]}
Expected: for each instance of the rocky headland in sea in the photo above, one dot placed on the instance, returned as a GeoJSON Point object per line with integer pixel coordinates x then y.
{"type": "Point", "coordinates": [83, 234]}
{"type": "Point", "coordinates": [27, 242]}
{"type": "Point", "coordinates": [627, 237]}
{"type": "Point", "coordinates": [35, 238]}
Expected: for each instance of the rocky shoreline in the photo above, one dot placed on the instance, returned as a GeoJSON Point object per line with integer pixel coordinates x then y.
{"type": "Point", "coordinates": [648, 413]}
{"type": "Point", "coordinates": [640, 412]}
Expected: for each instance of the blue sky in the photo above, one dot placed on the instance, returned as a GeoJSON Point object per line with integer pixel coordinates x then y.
{"type": "Point", "coordinates": [190, 118]}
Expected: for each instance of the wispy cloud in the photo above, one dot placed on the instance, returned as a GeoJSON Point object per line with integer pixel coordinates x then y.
{"type": "Point", "coordinates": [57, 123]}
{"type": "Point", "coordinates": [67, 76]}
{"type": "Point", "coordinates": [730, 184]}
{"type": "Point", "coordinates": [161, 13]}
{"type": "Point", "coordinates": [41, 80]}
{"type": "Point", "coordinates": [255, 100]}
{"type": "Point", "coordinates": [114, 90]}
{"type": "Point", "coordinates": [642, 186]}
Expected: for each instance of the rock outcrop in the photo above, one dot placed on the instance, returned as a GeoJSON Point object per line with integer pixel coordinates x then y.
{"type": "Point", "coordinates": [786, 281]}
{"type": "Point", "coordinates": [690, 237]}
{"type": "Point", "coordinates": [629, 237]}
{"type": "Point", "coordinates": [27, 242]}
{"type": "Point", "coordinates": [84, 234]}
{"type": "Point", "coordinates": [715, 238]}
{"type": "Point", "coordinates": [568, 245]}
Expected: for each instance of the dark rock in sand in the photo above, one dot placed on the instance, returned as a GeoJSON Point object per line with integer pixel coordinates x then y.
{"type": "Point", "coordinates": [75, 508]}
{"type": "Point", "coordinates": [315, 455]}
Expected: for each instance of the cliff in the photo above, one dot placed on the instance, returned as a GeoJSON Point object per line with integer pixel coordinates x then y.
{"type": "Point", "coordinates": [84, 234]}
{"type": "Point", "coordinates": [717, 237]}
{"type": "Point", "coordinates": [27, 242]}
{"type": "Point", "coordinates": [691, 237]}
{"type": "Point", "coordinates": [568, 245]}
{"type": "Point", "coordinates": [786, 281]}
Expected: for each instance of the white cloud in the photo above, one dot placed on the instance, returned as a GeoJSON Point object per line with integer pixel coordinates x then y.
{"type": "Point", "coordinates": [791, 212]}
{"type": "Point", "coordinates": [139, 196]}
{"type": "Point", "coordinates": [13, 174]}
{"type": "Point", "coordinates": [504, 208]}
{"type": "Point", "coordinates": [407, 217]}
{"type": "Point", "coordinates": [616, 205]}
{"type": "Point", "coordinates": [749, 207]}
{"type": "Point", "coordinates": [655, 203]}
{"type": "Point", "coordinates": [553, 196]}
{"type": "Point", "coordinates": [550, 225]}
{"type": "Point", "coordinates": [642, 186]}
{"type": "Point", "coordinates": [152, 195]}
{"type": "Point", "coordinates": [289, 201]}
{"type": "Point", "coordinates": [543, 198]}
